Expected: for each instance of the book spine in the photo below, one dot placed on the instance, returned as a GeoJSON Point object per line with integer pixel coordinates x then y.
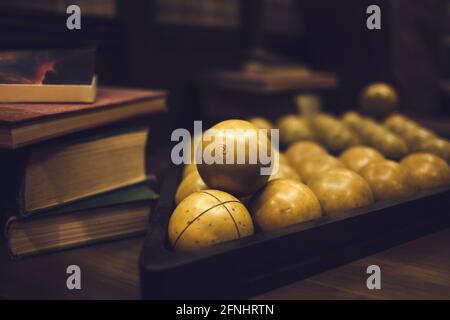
{"type": "Point", "coordinates": [71, 206]}
{"type": "Point", "coordinates": [12, 170]}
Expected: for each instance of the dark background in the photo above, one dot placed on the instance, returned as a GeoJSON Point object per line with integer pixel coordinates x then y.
{"type": "Point", "coordinates": [166, 43]}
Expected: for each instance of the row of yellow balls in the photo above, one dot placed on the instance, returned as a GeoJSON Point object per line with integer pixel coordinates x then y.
{"type": "Point", "coordinates": [396, 137]}
{"type": "Point", "coordinates": [211, 216]}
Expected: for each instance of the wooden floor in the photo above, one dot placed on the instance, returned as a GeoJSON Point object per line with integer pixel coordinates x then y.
{"type": "Point", "coordinates": [419, 269]}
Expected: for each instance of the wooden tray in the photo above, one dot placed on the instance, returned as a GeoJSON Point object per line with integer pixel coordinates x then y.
{"type": "Point", "coordinates": [242, 268]}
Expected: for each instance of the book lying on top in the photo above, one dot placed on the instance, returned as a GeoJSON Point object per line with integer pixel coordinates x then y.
{"type": "Point", "coordinates": [51, 75]}
{"type": "Point", "coordinates": [60, 171]}
{"type": "Point", "coordinates": [23, 124]}
{"type": "Point", "coordinates": [117, 214]}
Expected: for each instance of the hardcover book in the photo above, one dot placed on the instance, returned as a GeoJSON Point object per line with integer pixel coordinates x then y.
{"type": "Point", "coordinates": [119, 213]}
{"type": "Point", "coordinates": [23, 124]}
{"type": "Point", "coordinates": [60, 75]}
{"type": "Point", "coordinates": [61, 171]}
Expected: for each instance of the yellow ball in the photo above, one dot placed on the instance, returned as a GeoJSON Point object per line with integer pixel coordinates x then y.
{"type": "Point", "coordinates": [437, 146]}
{"type": "Point", "coordinates": [280, 157]}
{"type": "Point", "coordinates": [188, 169]}
{"type": "Point", "coordinates": [292, 129]}
{"type": "Point", "coordinates": [340, 190]}
{"type": "Point", "coordinates": [284, 202]}
{"type": "Point", "coordinates": [237, 179]}
{"type": "Point", "coordinates": [206, 218]}
{"type": "Point", "coordinates": [369, 128]}
{"type": "Point", "coordinates": [283, 159]}
{"type": "Point", "coordinates": [351, 118]}
{"type": "Point", "coordinates": [415, 134]}
{"type": "Point", "coordinates": [334, 134]}
{"type": "Point", "coordinates": [285, 172]}
{"type": "Point", "coordinates": [308, 105]}
{"type": "Point", "coordinates": [396, 123]}
{"type": "Point", "coordinates": [389, 144]}
{"type": "Point", "coordinates": [389, 180]}
{"type": "Point", "coordinates": [315, 165]}
{"type": "Point", "coordinates": [261, 123]}
{"type": "Point", "coordinates": [302, 150]}
{"type": "Point", "coordinates": [192, 183]}
{"type": "Point", "coordinates": [191, 167]}
{"type": "Point", "coordinates": [378, 99]}
{"type": "Point", "coordinates": [355, 158]}
{"type": "Point", "coordinates": [428, 170]}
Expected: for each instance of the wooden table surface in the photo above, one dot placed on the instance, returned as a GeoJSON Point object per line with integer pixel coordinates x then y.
{"type": "Point", "coordinates": [419, 269]}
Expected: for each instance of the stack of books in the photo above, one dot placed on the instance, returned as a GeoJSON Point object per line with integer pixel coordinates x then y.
{"type": "Point", "coordinates": [75, 173]}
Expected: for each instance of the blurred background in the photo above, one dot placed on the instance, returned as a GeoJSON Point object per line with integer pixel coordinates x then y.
{"type": "Point", "coordinates": [168, 43]}
{"type": "Point", "coordinates": [228, 59]}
